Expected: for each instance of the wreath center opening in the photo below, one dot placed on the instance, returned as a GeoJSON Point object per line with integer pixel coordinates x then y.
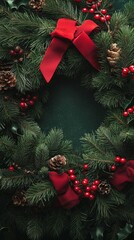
{"type": "Point", "coordinates": [72, 108]}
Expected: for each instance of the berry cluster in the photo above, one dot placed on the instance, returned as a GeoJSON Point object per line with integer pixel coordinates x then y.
{"type": "Point", "coordinates": [99, 14]}
{"type": "Point", "coordinates": [128, 111]}
{"type": "Point", "coordinates": [128, 71]}
{"type": "Point", "coordinates": [27, 102]}
{"type": "Point", "coordinates": [15, 166]}
{"type": "Point", "coordinates": [83, 187]}
{"type": "Point", "coordinates": [17, 53]}
{"type": "Point", "coordinates": [118, 160]}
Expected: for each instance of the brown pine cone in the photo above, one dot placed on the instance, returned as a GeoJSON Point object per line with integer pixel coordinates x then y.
{"type": "Point", "coordinates": [19, 199]}
{"type": "Point", "coordinates": [36, 4]}
{"type": "Point", "coordinates": [57, 162]}
{"type": "Point", "coordinates": [113, 55]}
{"type": "Point", "coordinates": [7, 80]}
{"type": "Point", "coordinates": [5, 66]}
{"type": "Point", "coordinates": [104, 188]}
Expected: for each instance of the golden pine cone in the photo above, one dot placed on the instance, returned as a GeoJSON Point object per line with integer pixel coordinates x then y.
{"type": "Point", "coordinates": [36, 4]}
{"type": "Point", "coordinates": [57, 162]}
{"type": "Point", "coordinates": [19, 199]}
{"type": "Point", "coordinates": [7, 80]}
{"type": "Point", "coordinates": [113, 54]}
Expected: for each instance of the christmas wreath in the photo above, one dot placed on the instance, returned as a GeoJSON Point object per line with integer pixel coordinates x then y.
{"type": "Point", "coordinates": [48, 190]}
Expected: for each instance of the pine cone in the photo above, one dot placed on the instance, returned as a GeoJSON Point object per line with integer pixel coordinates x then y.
{"type": "Point", "coordinates": [19, 199]}
{"type": "Point", "coordinates": [7, 80]}
{"type": "Point", "coordinates": [5, 66]}
{"type": "Point", "coordinates": [57, 162]}
{"type": "Point", "coordinates": [113, 55]}
{"type": "Point", "coordinates": [104, 187]}
{"type": "Point", "coordinates": [36, 4]}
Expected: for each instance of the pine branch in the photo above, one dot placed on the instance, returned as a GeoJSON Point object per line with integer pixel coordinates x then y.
{"type": "Point", "coordinates": [64, 9]}
{"type": "Point", "coordinates": [12, 180]}
{"type": "Point", "coordinates": [41, 155]}
{"type": "Point", "coordinates": [40, 193]}
{"type": "Point", "coordinates": [57, 223]}
{"type": "Point", "coordinates": [35, 228]}
{"type": "Point", "coordinates": [56, 144]}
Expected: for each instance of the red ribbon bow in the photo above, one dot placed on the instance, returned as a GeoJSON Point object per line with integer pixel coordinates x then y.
{"type": "Point", "coordinates": [65, 33]}
{"type": "Point", "coordinates": [66, 196]}
{"type": "Point", "coordinates": [123, 175]}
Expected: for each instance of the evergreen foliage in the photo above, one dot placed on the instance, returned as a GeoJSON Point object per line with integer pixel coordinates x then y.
{"type": "Point", "coordinates": [24, 146]}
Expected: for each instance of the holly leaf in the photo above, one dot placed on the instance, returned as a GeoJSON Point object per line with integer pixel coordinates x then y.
{"type": "Point", "coordinates": [16, 3]}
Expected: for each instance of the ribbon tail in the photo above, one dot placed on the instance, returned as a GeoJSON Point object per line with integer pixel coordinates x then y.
{"type": "Point", "coordinates": [87, 48]}
{"type": "Point", "coordinates": [66, 195]}
{"type": "Point", "coordinates": [52, 57]}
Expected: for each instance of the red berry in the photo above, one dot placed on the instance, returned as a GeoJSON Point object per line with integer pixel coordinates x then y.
{"type": "Point", "coordinates": [130, 110]}
{"type": "Point", "coordinates": [94, 187]}
{"type": "Point", "coordinates": [96, 182]}
{"type": "Point", "coordinates": [76, 188]}
{"type": "Point", "coordinates": [97, 16]}
{"type": "Point", "coordinates": [86, 194]}
{"type": "Point", "coordinates": [20, 51]}
{"type": "Point", "coordinates": [85, 166]}
{"type": "Point", "coordinates": [103, 11]}
{"type": "Point", "coordinates": [124, 75]}
{"type": "Point", "coordinates": [28, 96]}
{"type": "Point", "coordinates": [80, 191]}
{"type": "Point", "coordinates": [89, 1]}
{"type": "Point", "coordinates": [99, 4]}
{"type": "Point", "coordinates": [102, 19]}
{"type": "Point", "coordinates": [125, 71]}
{"type": "Point", "coordinates": [17, 49]}
{"type": "Point", "coordinates": [113, 168]}
{"type": "Point", "coordinates": [91, 10]}
{"type": "Point", "coordinates": [123, 160]}
{"type": "Point", "coordinates": [88, 188]}
{"type": "Point", "coordinates": [85, 182]}
{"type": "Point", "coordinates": [31, 102]}
{"type": "Point", "coordinates": [125, 114]}
{"type": "Point", "coordinates": [117, 159]}
{"type": "Point", "coordinates": [11, 168]}
{"type": "Point", "coordinates": [23, 105]}
{"type": "Point", "coordinates": [133, 108]}
{"type": "Point", "coordinates": [108, 17]}
{"type": "Point", "coordinates": [131, 68]}
{"type": "Point", "coordinates": [72, 177]}
{"type": "Point", "coordinates": [91, 196]}
{"type": "Point", "coordinates": [84, 10]}
{"type": "Point", "coordinates": [12, 52]}
{"type": "Point", "coordinates": [35, 98]}
{"type": "Point", "coordinates": [94, 6]}
{"type": "Point", "coordinates": [76, 182]}
{"type": "Point", "coordinates": [70, 171]}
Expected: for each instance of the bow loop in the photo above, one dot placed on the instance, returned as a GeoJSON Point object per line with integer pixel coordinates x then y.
{"type": "Point", "coordinates": [66, 32]}
{"type": "Point", "coordinates": [123, 175]}
{"type": "Point", "coordinates": [65, 29]}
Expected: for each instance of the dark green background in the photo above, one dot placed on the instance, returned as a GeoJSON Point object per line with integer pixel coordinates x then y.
{"type": "Point", "coordinates": [72, 108]}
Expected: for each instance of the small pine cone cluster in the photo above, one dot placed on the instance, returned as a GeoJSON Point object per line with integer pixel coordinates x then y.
{"type": "Point", "coordinates": [113, 55]}
{"type": "Point", "coordinates": [19, 199]}
{"type": "Point", "coordinates": [57, 162]}
{"type": "Point", "coordinates": [36, 4]}
{"type": "Point", "coordinates": [7, 80]}
{"type": "Point", "coordinates": [104, 188]}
